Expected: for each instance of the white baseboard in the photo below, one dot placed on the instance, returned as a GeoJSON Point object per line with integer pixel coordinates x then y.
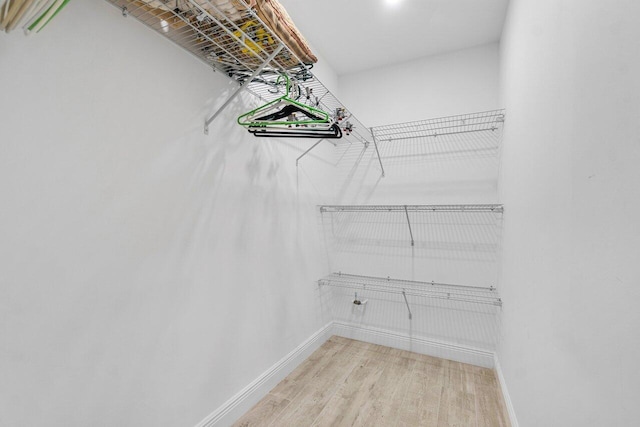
{"type": "Point", "coordinates": [420, 345]}
{"type": "Point", "coordinates": [505, 394]}
{"type": "Point", "coordinates": [239, 404]}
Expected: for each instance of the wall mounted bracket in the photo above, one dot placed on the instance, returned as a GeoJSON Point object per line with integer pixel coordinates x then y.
{"type": "Point", "coordinates": [375, 144]}
{"type": "Point", "coordinates": [309, 149]}
{"type": "Point", "coordinates": [409, 224]}
{"type": "Point", "coordinates": [240, 88]}
{"type": "Point", "coordinates": [404, 294]}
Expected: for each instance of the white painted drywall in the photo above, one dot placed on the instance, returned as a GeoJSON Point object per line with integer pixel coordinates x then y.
{"type": "Point", "coordinates": [454, 83]}
{"type": "Point", "coordinates": [571, 187]}
{"type": "Point", "coordinates": [148, 272]}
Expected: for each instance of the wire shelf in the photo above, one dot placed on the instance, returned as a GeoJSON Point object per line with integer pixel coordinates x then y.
{"type": "Point", "coordinates": [412, 208]}
{"type": "Point", "coordinates": [444, 291]}
{"type": "Point", "coordinates": [456, 243]}
{"type": "Point", "coordinates": [450, 125]}
{"type": "Point", "coordinates": [235, 42]}
{"type": "Point", "coordinates": [471, 137]}
{"type": "Point", "coordinates": [240, 44]}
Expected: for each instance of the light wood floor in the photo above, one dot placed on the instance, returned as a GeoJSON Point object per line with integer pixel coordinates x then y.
{"type": "Point", "coordinates": [349, 383]}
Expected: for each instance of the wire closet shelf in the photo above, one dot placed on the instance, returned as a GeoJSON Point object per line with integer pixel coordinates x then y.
{"type": "Point", "coordinates": [412, 208]}
{"type": "Point", "coordinates": [493, 210]}
{"type": "Point", "coordinates": [485, 121]}
{"type": "Point", "coordinates": [240, 45]}
{"type": "Point", "coordinates": [443, 291]}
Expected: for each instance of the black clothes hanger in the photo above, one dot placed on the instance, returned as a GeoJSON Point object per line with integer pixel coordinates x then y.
{"type": "Point", "coordinates": [287, 111]}
{"type": "Point", "coordinates": [333, 132]}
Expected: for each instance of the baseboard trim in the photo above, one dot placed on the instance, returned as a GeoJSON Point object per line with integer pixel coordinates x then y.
{"type": "Point", "coordinates": [235, 407]}
{"type": "Point", "coordinates": [505, 394]}
{"type": "Point", "coordinates": [421, 345]}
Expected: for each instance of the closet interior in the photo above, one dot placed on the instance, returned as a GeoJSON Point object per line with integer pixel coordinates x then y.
{"type": "Point", "coordinates": [422, 277]}
{"type": "Point", "coordinates": [402, 269]}
{"type": "Point", "coordinates": [200, 195]}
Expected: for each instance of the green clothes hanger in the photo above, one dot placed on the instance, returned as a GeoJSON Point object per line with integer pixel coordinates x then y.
{"type": "Point", "coordinates": [272, 113]}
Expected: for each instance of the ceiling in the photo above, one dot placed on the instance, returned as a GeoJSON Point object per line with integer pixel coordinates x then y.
{"type": "Point", "coordinates": [356, 35]}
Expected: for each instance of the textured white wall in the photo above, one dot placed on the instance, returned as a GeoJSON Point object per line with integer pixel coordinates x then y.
{"type": "Point", "coordinates": [148, 272]}
{"type": "Point", "coordinates": [454, 83]}
{"type": "Point", "coordinates": [570, 185]}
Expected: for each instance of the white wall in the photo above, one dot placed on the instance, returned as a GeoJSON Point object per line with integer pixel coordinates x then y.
{"type": "Point", "coordinates": [570, 185]}
{"type": "Point", "coordinates": [459, 82]}
{"type": "Point", "coordinates": [148, 272]}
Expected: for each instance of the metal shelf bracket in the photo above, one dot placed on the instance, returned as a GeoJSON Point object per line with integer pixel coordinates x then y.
{"type": "Point", "coordinates": [409, 224]}
{"type": "Point", "coordinates": [310, 148]}
{"type": "Point", "coordinates": [240, 88]}
{"type": "Point", "coordinates": [404, 294]}
{"type": "Point", "coordinates": [375, 144]}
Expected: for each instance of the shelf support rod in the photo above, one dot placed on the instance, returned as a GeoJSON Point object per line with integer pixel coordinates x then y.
{"type": "Point", "coordinates": [407, 303]}
{"type": "Point", "coordinates": [241, 87]}
{"type": "Point", "coordinates": [375, 144]}
{"type": "Point", "coordinates": [310, 148]}
{"type": "Point", "coordinates": [406, 212]}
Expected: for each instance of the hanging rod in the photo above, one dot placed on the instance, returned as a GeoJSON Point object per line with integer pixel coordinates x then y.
{"type": "Point", "coordinates": [413, 208]}
{"type": "Point", "coordinates": [461, 293]}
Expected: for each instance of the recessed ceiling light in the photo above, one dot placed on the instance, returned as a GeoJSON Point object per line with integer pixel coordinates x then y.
{"type": "Point", "coordinates": [392, 3]}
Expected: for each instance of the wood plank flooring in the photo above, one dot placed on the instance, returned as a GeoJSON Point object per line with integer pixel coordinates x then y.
{"type": "Point", "coordinates": [353, 383]}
